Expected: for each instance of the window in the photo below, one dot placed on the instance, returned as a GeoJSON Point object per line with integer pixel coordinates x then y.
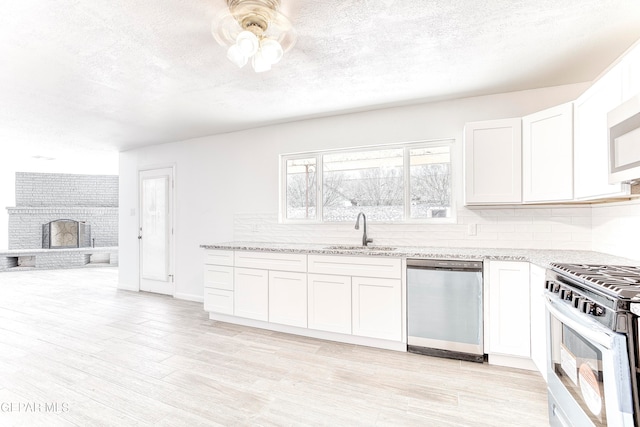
{"type": "Point", "coordinates": [388, 183]}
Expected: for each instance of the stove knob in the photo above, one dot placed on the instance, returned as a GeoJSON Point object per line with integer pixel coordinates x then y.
{"type": "Point", "coordinates": [565, 294]}
{"type": "Point", "coordinates": [568, 295]}
{"type": "Point", "coordinates": [575, 299]}
{"type": "Point", "coordinates": [584, 306]}
{"type": "Point", "coordinates": [556, 288]}
{"type": "Point", "coordinates": [591, 308]}
{"type": "Point", "coordinates": [595, 310]}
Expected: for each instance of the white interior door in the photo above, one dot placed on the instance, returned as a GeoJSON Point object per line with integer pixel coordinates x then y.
{"type": "Point", "coordinates": [156, 230]}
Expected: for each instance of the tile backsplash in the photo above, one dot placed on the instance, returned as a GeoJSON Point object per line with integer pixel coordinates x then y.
{"type": "Point", "coordinates": [519, 227]}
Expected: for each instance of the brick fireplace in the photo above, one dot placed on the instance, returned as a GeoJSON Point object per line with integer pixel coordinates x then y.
{"type": "Point", "coordinates": [62, 221]}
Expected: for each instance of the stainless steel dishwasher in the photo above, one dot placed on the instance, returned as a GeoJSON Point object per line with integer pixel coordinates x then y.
{"type": "Point", "coordinates": [444, 308]}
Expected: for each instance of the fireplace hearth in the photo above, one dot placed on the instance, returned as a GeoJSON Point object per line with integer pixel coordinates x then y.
{"type": "Point", "coordinates": [66, 233]}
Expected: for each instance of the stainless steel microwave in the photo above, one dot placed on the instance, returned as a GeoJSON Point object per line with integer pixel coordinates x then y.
{"type": "Point", "coordinates": [624, 141]}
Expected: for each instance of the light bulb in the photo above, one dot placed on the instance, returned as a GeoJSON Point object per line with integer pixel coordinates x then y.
{"type": "Point", "coordinates": [271, 50]}
{"type": "Point", "coordinates": [236, 56]}
{"type": "Point", "coordinates": [248, 43]}
{"type": "Point", "coordinates": [260, 64]}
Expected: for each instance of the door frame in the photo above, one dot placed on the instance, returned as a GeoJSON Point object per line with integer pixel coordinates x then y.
{"type": "Point", "coordinates": [172, 207]}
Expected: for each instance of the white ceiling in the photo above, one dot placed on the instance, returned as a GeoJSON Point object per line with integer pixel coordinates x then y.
{"type": "Point", "coordinates": [119, 74]}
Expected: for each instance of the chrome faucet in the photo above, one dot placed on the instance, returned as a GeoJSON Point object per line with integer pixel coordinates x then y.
{"type": "Point", "coordinates": [365, 240]}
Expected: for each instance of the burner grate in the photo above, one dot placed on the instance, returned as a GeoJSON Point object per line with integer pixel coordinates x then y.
{"type": "Point", "coordinates": [619, 280]}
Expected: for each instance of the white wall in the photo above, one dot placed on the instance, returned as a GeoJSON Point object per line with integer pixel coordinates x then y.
{"type": "Point", "coordinates": [616, 229]}
{"type": "Point", "coordinates": [220, 178]}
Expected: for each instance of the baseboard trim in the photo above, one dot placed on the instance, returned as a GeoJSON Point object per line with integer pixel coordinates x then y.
{"type": "Point", "coordinates": [189, 297]}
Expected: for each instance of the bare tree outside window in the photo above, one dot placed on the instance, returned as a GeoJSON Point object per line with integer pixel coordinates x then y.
{"type": "Point", "coordinates": [301, 188]}
{"type": "Point", "coordinates": [430, 182]}
{"type": "Point", "coordinates": [369, 181]}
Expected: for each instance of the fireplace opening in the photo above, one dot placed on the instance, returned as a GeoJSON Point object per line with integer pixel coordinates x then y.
{"type": "Point", "coordinates": [66, 233]}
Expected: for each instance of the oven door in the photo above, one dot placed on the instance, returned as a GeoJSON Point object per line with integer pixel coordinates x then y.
{"type": "Point", "coordinates": [588, 370]}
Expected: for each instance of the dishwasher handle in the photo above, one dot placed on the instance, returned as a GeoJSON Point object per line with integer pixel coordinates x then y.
{"type": "Point", "coordinates": [440, 264]}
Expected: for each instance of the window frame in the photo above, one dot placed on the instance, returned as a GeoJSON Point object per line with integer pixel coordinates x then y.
{"type": "Point", "coordinates": [406, 172]}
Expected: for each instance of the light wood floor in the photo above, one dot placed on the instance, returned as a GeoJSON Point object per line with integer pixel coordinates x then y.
{"type": "Point", "coordinates": [116, 358]}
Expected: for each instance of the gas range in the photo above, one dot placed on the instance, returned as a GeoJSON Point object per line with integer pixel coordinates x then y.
{"type": "Point", "coordinates": [581, 299]}
{"type": "Point", "coordinates": [608, 293]}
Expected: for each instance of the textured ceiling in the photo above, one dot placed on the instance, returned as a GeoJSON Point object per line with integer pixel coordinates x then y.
{"type": "Point", "coordinates": [124, 73]}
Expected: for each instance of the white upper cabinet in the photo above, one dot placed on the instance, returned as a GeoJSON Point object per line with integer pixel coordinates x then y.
{"type": "Point", "coordinates": [591, 170]}
{"type": "Point", "coordinates": [630, 69]}
{"type": "Point", "coordinates": [547, 155]}
{"type": "Point", "coordinates": [493, 162]}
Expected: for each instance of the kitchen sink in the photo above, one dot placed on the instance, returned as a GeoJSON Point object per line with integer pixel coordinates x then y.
{"type": "Point", "coordinates": [359, 248]}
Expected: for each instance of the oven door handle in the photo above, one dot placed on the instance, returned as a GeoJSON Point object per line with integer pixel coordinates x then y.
{"type": "Point", "coordinates": [591, 330]}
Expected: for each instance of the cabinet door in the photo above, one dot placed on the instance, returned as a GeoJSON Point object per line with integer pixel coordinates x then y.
{"type": "Point", "coordinates": [329, 303]}
{"type": "Point", "coordinates": [251, 296]}
{"type": "Point", "coordinates": [538, 319]}
{"type": "Point", "coordinates": [508, 298]}
{"type": "Point", "coordinates": [377, 308]}
{"type": "Point", "coordinates": [547, 155]}
{"type": "Point", "coordinates": [288, 298]}
{"type": "Point", "coordinates": [493, 162]}
{"type": "Point", "coordinates": [591, 154]}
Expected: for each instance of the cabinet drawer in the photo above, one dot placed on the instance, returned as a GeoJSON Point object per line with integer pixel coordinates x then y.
{"type": "Point", "coordinates": [388, 268]}
{"type": "Point", "coordinates": [218, 301]}
{"type": "Point", "coordinates": [218, 276]}
{"type": "Point", "coordinates": [272, 261]}
{"type": "Point", "coordinates": [215, 257]}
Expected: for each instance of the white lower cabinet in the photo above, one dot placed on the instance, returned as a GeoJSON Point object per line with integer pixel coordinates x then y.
{"type": "Point", "coordinates": [538, 320]}
{"type": "Point", "coordinates": [288, 298]}
{"type": "Point", "coordinates": [251, 297]}
{"type": "Point", "coordinates": [218, 282]}
{"type": "Point", "coordinates": [352, 299]}
{"type": "Point", "coordinates": [508, 323]}
{"type": "Point", "coordinates": [329, 302]}
{"type": "Point", "coordinates": [377, 308]}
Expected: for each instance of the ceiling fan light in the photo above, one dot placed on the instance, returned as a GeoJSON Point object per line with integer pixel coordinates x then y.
{"type": "Point", "coordinates": [271, 50]}
{"type": "Point", "coordinates": [259, 63]}
{"type": "Point", "coordinates": [248, 43]}
{"type": "Point", "coordinates": [235, 55]}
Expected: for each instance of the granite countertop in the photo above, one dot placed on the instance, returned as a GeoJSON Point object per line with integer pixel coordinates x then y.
{"type": "Point", "coordinates": [541, 257]}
